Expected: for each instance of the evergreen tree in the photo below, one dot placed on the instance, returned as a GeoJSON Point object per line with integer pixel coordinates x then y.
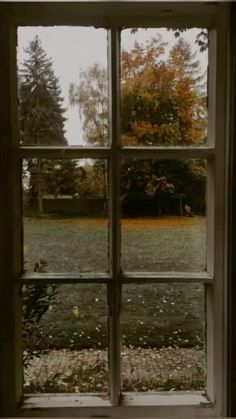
{"type": "Point", "coordinates": [41, 111]}
{"type": "Point", "coordinates": [41, 119]}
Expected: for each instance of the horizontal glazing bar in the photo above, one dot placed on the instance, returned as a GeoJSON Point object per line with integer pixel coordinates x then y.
{"type": "Point", "coordinates": [105, 152]}
{"type": "Point", "coordinates": [98, 277]}
{"type": "Point", "coordinates": [167, 152]}
{"type": "Point", "coordinates": [127, 277]}
{"type": "Point", "coordinates": [64, 152]}
{"type": "Point", "coordinates": [166, 277]}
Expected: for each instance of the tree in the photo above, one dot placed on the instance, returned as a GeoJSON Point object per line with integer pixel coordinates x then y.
{"type": "Point", "coordinates": [90, 181]}
{"type": "Point", "coordinates": [41, 112]}
{"type": "Point", "coordinates": [91, 95]}
{"type": "Point", "coordinates": [201, 38]}
{"type": "Point", "coordinates": [41, 115]}
{"type": "Point", "coordinates": [163, 102]}
{"type": "Point", "coordinates": [60, 177]}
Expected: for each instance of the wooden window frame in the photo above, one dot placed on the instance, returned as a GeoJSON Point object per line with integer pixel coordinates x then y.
{"type": "Point", "coordinates": [114, 16]}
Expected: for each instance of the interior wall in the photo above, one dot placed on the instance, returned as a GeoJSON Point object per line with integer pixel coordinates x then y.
{"type": "Point", "coordinates": [232, 223]}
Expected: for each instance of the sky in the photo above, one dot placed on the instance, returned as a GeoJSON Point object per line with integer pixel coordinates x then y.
{"type": "Point", "coordinates": [73, 49]}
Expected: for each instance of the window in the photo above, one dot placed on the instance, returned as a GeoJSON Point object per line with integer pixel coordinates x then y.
{"type": "Point", "coordinates": [114, 279]}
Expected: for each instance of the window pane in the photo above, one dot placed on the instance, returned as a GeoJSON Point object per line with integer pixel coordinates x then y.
{"type": "Point", "coordinates": [163, 337]}
{"type": "Point", "coordinates": [62, 86]}
{"type": "Point", "coordinates": [65, 215]}
{"type": "Point", "coordinates": [164, 87]}
{"type": "Point", "coordinates": [65, 339]}
{"type": "Point", "coordinates": [164, 222]}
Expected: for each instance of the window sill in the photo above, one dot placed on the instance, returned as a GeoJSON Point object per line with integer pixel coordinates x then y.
{"type": "Point", "coordinates": [129, 400]}
{"type": "Point", "coordinates": [170, 398]}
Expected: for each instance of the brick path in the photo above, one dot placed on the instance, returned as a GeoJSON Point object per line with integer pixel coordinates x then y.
{"type": "Point", "coordinates": [138, 364]}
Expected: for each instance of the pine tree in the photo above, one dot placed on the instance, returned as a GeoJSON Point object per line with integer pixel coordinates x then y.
{"type": "Point", "coordinates": [41, 120]}
{"type": "Point", "coordinates": [41, 111]}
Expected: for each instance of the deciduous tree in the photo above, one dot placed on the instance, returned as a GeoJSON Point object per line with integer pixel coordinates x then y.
{"type": "Point", "coordinates": [91, 96]}
{"type": "Point", "coordinates": [163, 102]}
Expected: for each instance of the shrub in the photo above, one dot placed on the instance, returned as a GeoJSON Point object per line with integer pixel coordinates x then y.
{"type": "Point", "coordinates": [37, 299]}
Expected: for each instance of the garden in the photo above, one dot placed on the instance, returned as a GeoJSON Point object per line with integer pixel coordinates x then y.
{"type": "Point", "coordinates": [163, 94]}
{"type": "Point", "coordinates": [161, 323]}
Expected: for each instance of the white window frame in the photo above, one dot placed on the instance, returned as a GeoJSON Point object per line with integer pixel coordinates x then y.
{"type": "Point", "coordinates": [114, 16]}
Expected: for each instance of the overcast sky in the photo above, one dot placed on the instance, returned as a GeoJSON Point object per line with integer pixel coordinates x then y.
{"type": "Point", "coordinates": [73, 49]}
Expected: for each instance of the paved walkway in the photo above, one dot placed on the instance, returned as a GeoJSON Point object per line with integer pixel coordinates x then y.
{"type": "Point", "coordinates": [139, 364]}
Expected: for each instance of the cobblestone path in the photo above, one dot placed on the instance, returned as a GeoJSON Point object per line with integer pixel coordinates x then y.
{"type": "Point", "coordinates": [138, 364]}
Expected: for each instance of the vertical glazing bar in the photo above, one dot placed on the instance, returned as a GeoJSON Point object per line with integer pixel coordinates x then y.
{"type": "Point", "coordinates": [209, 291]}
{"type": "Point", "coordinates": [210, 199]}
{"type": "Point", "coordinates": [221, 205]}
{"type": "Point", "coordinates": [114, 293]}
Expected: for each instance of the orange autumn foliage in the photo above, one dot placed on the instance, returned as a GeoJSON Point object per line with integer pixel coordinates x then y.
{"type": "Point", "coordinates": [162, 102]}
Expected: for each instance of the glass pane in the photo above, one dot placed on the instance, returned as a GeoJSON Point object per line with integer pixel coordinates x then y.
{"type": "Point", "coordinates": [65, 339]}
{"type": "Point", "coordinates": [164, 221]}
{"type": "Point", "coordinates": [163, 337]}
{"type": "Point", "coordinates": [65, 215]}
{"type": "Point", "coordinates": [164, 87]}
{"type": "Point", "coordinates": [62, 86]}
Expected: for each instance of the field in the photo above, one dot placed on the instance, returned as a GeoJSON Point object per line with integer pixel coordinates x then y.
{"type": "Point", "coordinates": [152, 316]}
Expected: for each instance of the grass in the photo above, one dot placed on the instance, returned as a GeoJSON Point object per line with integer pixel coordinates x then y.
{"type": "Point", "coordinates": [148, 244]}
{"type": "Point", "coordinates": [152, 315]}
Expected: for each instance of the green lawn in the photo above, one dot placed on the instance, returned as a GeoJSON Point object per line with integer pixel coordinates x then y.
{"type": "Point", "coordinates": [152, 315]}
{"type": "Point", "coordinates": [148, 244]}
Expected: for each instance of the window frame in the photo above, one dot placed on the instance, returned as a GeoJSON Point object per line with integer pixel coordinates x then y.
{"type": "Point", "coordinates": [114, 16]}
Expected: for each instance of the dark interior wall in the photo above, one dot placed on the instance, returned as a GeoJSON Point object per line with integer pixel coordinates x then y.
{"type": "Point", "coordinates": [4, 129]}
{"type": "Point", "coordinates": [232, 225]}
